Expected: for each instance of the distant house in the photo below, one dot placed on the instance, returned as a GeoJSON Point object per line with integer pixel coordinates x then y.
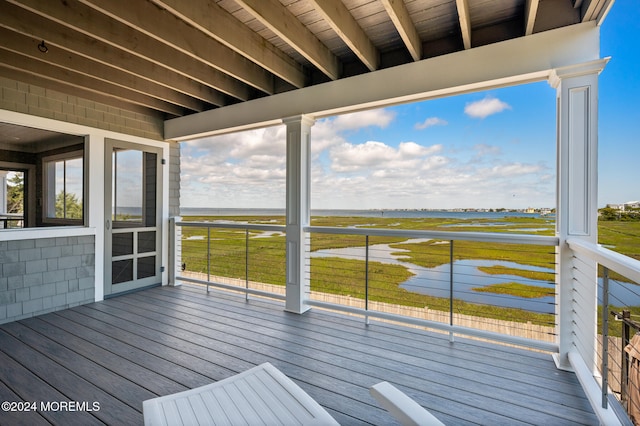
{"type": "Point", "coordinates": [625, 206]}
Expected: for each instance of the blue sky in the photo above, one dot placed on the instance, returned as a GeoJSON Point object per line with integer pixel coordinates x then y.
{"type": "Point", "coordinates": [492, 149]}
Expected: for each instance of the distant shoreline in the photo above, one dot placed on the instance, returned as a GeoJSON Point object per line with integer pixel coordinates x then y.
{"type": "Point", "coordinates": [392, 213]}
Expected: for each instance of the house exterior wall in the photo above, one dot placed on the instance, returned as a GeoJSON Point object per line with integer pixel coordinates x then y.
{"type": "Point", "coordinates": [174, 179]}
{"type": "Point", "coordinates": [34, 100]}
{"type": "Point", "coordinates": [23, 295]}
{"type": "Point", "coordinates": [43, 275]}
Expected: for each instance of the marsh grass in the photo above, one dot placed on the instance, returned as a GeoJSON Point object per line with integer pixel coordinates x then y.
{"type": "Point", "coordinates": [436, 252]}
{"type": "Point", "coordinates": [517, 289]}
{"type": "Point", "coordinates": [504, 270]}
{"type": "Point", "coordinates": [228, 253]}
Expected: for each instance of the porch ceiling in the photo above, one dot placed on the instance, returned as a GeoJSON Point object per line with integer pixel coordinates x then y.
{"type": "Point", "coordinates": [176, 58]}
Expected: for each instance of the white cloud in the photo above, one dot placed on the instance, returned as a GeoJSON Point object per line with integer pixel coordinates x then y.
{"type": "Point", "coordinates": [485, 107]}
{"type": "Point", "coordinates": [248, 169]}
{"type": "Point", "coordinates": [483, 149]}
{"type": "Point", "coordinates": [510, 170]}
{"type": "Point", "coordinates": [349, 157]}
{"type": "Point", "coordinates": [357, 120]}
{"type": "Point", "coordinates": [430, 122]}
{"type": "Point", "coordinates": [245, 169]}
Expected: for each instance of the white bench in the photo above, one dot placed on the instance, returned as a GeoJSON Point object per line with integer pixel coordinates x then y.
{"type": "Point", "coordinates": [406, 410]}
{"type": "Point", "coordinates": [260, 395]}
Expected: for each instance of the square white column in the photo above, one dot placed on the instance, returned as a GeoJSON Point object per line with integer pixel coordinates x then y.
{"type": "Point", "coordinates": [577, 209]}
{"type": "Point", "coordinates": [298, 211]}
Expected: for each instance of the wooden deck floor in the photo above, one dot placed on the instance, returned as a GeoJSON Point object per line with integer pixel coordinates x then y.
{"type": "Point", "coordinates": [130, 348]}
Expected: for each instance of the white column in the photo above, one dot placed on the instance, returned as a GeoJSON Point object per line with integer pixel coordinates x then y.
{"type": "Point", "coordinates": [95, 198]}
{"type": "Point", "coordinates": [298, 206]}
{"type": "Point", "coordinates": [577, 209]}
{"type": "Point", "coordinates": [3, 191]}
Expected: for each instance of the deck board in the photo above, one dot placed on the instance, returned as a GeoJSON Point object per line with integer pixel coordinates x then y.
{"type": "Point", "coordinates": [356, 369]}
{"type": "Point", "coordinates": [165, 340]}
{"type": "Point", "coordinates": [39, 379]}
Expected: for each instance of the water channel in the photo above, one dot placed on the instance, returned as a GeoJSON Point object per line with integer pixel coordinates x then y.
{"type": "Point", "coordinates": [466, 276]}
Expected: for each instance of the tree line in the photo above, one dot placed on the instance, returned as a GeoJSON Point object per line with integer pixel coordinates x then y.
{"type": "Point", "coordinates": [611, 214]}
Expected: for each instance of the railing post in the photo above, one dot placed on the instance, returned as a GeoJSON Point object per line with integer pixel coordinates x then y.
{"type": "Point", "coordinates": [366, 278]}
{"type": "Point", "coordinates": [605, 337]}
{"type": "Point", "coordinates": [451, 289]}
{"type": "Point", "coordinates": [208, 256]}
{"type": "Point", "coordinates": [246, 263]}
{"type": "Point", "coordinates": [175, 250]}
{"type": "Point", "coordinates": [624, 386]}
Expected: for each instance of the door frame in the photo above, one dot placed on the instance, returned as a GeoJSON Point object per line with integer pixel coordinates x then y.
{"type": "Point", "coordinates": [111, 289]}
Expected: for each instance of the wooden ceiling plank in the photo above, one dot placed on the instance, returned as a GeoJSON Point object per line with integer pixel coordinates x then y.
{"type": "Point", "coordinates": [27, 46]}
{"type": "Point", "coordinates": [32, 25]}
{"type": "Point", "coordinates": [399, 15]}
{"type": "Point", "coordinates": [75, 79]}
{"type": "Point", "coordinates": [344, 24]}
{"type": "Point", "coordinates": [219, 24]}
{"type": "Point", "coordinates": [530, 13]}
{"type": "Point", "coordinates": [465, 22]}
{"type": "Point", "coordinates": [96, 25]}
{"type": "Point", "coordinates": [166, 28]}
{"type": "Point", "coordinates": [278, 19]}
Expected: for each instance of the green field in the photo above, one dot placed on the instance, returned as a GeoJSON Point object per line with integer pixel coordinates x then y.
{"type": "Point", "coordinates": [342, 276]}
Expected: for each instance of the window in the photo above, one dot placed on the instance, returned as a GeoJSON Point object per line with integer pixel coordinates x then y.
{"type": "Point", "coordinates": [12, 201]}
{"type": "Point", "coordinates": [63, 175]}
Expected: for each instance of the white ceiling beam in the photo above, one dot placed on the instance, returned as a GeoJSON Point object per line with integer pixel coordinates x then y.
{"type": "Point", "coordinates": [594, 10]}
{"type": "Point", "coordinates": [515, 61]}
{"type": "Point", "coordinates": [220, 25]}
{"type": "Point", "coordinates": [32, 25]}
{"type": "Point", "coordinates": [94, 24]}
{"type": "Point", "coordinates": [71, 78]}
{"type": "Point", "coordinates": [465, 22]}
{"type": "Point", "coordinates": [343, 23]}
{"type": "Point", "coordinates": [399, 15]}
{"type": "Point", "coordinates": [530, 13]}
{"type": "Point", "coordinates": [273, 15]}
{"type": "Point", "coordinates": [166, 28]}
{"type": "Point", "coordinates": [27, 46]}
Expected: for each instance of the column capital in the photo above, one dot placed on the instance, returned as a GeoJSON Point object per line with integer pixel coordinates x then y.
{"type": "Point", "coordinates": [299, 119]}
{"type": "Point", "coordinates": [577, 70]}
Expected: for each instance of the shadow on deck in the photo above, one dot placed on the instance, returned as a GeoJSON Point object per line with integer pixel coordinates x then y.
{"type": "Point", "coordinates": [124, 350]}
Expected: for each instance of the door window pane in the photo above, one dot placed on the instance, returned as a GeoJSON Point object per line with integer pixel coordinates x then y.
{"type": "Point", "coordinates": [146, 267]}
{"type": "Point", "coordinates": [127, 180]}
{"type": "Point", "coordinates": [121, 271]}
{"type": "Point", "coordinates": [122, 244]}
{"type": "Point", "coordinates": [146, 242]}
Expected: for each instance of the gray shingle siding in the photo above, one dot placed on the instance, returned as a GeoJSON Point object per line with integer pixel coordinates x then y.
{"type": "Point", "coordinates": [44, 275]}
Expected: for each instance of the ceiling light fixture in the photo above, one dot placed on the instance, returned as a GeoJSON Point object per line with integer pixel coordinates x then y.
{"type": "Point", "coordinates": [43, 47]}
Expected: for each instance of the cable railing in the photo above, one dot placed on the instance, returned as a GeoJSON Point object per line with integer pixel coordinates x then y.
{"type": "Point", "coordinates": [618, 295]}
{"type": "Point", "coordinates": [496, 286]}
{"type": "Point", "coordinates": [234, 256]}
{"type": "Point", "coordinates": [489, 285]}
